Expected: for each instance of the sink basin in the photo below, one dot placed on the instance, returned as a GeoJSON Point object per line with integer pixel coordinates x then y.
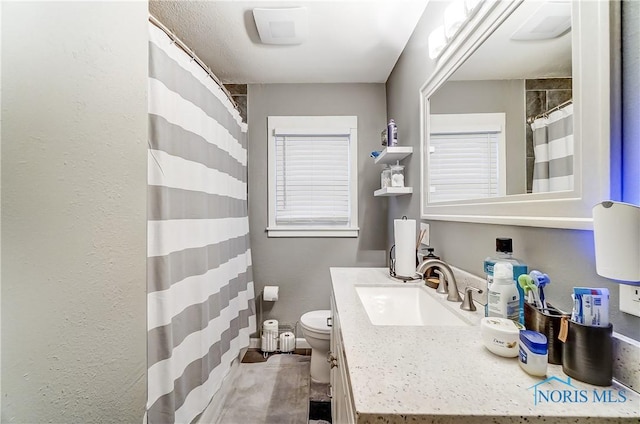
{"type": "Point", "coordinates": [405, 305]}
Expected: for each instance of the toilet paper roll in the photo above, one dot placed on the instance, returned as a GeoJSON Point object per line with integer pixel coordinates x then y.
{"type": "Point", "coordinates": [287, 342]}
{"type": "Point", "coordinates": [269, 342]}
{"type": "Point", "coordinates": [270, 325]}
{"type": "Point", "coordinates": [404, 231]}
{"type": "Point", "coordinates": [270, 293]}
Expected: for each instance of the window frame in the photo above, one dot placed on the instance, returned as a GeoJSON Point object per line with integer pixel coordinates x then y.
{"type": "Point", "coordinates": [472, 123]}
{"type": "Point", "coordinates": [312, 126]}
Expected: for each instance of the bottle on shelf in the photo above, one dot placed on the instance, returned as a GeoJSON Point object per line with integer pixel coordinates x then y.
{"type": "Point", "coordinates": [392, 133]}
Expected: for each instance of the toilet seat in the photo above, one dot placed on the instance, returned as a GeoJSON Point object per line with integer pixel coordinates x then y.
{"type": "Point", "coordinates": [316, 321]}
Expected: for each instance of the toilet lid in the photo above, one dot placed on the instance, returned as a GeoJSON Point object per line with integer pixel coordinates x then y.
{"type": "Point", "coordinates": [316, 320]}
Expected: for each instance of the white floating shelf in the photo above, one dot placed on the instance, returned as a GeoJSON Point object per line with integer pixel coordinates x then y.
{"type": "Point", "coordinates": [393, 191]}
{"type": "Point", "coordinates": [394, 154]}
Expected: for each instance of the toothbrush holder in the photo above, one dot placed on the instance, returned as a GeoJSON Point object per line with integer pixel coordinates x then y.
{"type": "Point", "coordinates": [548, 323]}
{"type": "Point", "coordinates": [587, 354]}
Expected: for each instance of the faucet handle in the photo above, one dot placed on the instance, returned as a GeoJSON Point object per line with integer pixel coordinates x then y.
{"type": "Point", "coordinates": [442, 282]}
{"type": "Point", "coordinates": [467, 304]}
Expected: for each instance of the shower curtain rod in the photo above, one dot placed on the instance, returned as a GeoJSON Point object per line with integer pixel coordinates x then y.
{"type": "Point", "coordinates": [545, 114]}
{"type": "Point", "coordinates": [193, 56]}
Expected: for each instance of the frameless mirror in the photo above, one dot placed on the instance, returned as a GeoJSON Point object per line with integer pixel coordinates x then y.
{"type": "Point", "coordinates": [505, 130]}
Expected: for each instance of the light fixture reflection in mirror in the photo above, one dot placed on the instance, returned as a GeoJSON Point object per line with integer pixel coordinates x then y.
{"type": "Point", "coordinates": [523, 81]}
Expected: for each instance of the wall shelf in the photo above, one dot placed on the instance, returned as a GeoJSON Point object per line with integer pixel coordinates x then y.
{"type": "Point", "coordinates": [391, 155]}
{"type": "Point", "coordinates": [393, 191]}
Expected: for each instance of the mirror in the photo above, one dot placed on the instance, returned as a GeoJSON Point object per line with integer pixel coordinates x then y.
{"type": "Point", "coordinates": [505, 137]}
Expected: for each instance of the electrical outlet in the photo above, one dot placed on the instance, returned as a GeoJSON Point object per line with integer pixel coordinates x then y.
{"type": "Point", "coordinates": [630, 299]}
{"type": "Point", "coordinates": [425, 239]}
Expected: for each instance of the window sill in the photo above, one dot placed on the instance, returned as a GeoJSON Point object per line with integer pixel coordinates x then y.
{"type": "Point", "coordinates": [312, 232]}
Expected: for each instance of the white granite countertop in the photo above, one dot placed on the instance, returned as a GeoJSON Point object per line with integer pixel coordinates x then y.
{"type": "Point", "coordinates": [411, 374]}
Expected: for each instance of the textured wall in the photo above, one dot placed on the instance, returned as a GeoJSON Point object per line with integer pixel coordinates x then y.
{"type": "Point", "coordinates": [566, 255]}
{"type": "Point", "coordinates": [74, 141]}
{"type": "Point", "coordinates": [300, 266]}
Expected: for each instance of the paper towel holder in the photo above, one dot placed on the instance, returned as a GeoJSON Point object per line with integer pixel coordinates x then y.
{"type": "Point", "coordinates": [617, 250]}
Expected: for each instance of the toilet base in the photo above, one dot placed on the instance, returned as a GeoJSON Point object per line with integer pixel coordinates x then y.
{"type": "Point", "coordinates": [320, 368]}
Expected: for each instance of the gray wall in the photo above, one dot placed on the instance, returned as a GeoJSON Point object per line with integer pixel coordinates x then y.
{"type": "Point", "coordinates": [506, 96]}
{"type": "Point", "coordinates": [300, 266]}
{"type": "Point", "coordinates": [566, 255]}
{"type": "Point", "coordinates": [74, 141]}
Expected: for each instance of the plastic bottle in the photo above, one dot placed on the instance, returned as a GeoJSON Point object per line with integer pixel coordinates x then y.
{"type": "Point", "coordinates": [503, 300]}
{"type": "Point", "coordinates": [504, 253]}
{"type": "Point", "coordinates": [392, 133]}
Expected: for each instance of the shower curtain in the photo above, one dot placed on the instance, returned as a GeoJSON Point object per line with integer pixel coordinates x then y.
{"type": "Point", "coordinates": [553, 150]}
{"type": "Point", "coordinates": [200, 295]}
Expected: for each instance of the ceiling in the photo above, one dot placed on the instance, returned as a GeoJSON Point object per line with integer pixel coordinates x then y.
{"type": "Point", "coordinates": [349, 41]}
{"type": "Point", "coordinates": [501, 58]}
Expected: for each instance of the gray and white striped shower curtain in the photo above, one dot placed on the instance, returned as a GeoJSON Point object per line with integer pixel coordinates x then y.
{"type": "Point", "coordinates": [200, 295]}
{"type": "Point", "coordinates": [553, 150]}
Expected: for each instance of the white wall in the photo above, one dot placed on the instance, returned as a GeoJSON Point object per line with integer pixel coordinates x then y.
{"type": "Point", "coordinates": [74, 140]}
{"type": "Point", "coordinates": [300, 266]}
{"type": "Point", "coordinates": [566, 255]}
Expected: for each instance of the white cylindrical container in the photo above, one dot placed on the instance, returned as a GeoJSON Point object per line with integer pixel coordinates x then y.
{"type": "Point", "coordinates": [404, 231]}
{"type": "Point", "coordinates": [287, 342]}
{"type": "Point", "coordinates": [269, 339]}
{"type": "Point", "coordinates": [270, 293]}
{"type": "Point", "coordinates": [533, 353]}
{"type": "Point", "coordinates": [270, 325]}
{"type": "Point", "coordinates": [503, 299]}
{"type": "Point", "coordinates": [500, 335]}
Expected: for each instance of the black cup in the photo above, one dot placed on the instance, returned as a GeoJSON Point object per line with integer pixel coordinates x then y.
{"type": "Point", "coordinates": [587, 354]}
{"type": "Point", "coordinates": [548, 323]}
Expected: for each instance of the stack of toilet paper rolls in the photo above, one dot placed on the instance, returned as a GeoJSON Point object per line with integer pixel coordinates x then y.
{"type": "Point", "coordinates": [270, 336]}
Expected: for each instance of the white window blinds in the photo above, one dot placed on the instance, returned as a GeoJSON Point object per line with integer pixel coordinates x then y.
{"type": "Point", "coordinates": [313, 176]}
{"type": "Point", "coordinates": [463, 166]}
{"type": "Point", "coordinates": [312, 179]}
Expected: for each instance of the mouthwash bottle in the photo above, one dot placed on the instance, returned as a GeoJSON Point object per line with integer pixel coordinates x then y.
{"type": "Point", "coordinates": [504, 253]}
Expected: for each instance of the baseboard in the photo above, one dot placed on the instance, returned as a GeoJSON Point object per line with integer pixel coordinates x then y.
{"type": "Point", "coordinates": [301, 343]}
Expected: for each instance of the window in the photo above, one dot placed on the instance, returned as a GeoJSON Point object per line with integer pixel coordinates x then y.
{"type": "Point", "coordinates": [313, 176]}
{"type": "Point", "coordinates": [466, 156]}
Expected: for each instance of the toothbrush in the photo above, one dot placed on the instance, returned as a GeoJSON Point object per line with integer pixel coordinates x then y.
{"type": "Point", "coordinates": [540, 279]}
{"type": "Point", "coordinates": [527, 284]}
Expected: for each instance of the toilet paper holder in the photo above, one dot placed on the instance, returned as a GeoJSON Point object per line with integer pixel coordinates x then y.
{"type": "Point", "coordinates": [282, 341]}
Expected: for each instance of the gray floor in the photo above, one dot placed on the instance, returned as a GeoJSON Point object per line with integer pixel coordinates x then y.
{"type": "Point", "coordinates": [276, 391]}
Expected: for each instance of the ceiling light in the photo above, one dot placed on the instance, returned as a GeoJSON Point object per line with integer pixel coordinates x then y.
{"type": "Point", "coordinates": [282, 26]}
{"type": "Point", "coordinates": [551, 20]}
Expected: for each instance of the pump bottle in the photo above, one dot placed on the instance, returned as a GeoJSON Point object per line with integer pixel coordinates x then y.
{"type": "Point", "coordinates": [503, 299]}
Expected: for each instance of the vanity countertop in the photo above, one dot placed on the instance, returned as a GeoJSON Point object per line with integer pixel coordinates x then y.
{"type": "Point", "coordinates": [412, 374]}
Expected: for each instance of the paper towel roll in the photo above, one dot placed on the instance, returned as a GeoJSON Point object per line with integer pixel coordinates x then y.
{"type": "Point", "coordinates": [404, 231]}
{"type": "Point", "coordinates": [270, 293]}
{"type": "Point", "coordinates": [270, 325]}
{"type": "Point", "coordinates": [287, 342]}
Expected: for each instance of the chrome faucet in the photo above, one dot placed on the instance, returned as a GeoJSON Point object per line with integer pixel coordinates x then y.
{"type": "Point", "coordinates": [452, 286]}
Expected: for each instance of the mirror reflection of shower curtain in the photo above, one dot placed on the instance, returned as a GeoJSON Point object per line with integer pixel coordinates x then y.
{"type": "Point", "coordinates": [553, 150]}
{"type": "Point", "coordinates": [200, 296]}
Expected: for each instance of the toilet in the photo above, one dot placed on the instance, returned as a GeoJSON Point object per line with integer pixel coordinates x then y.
{"type": "Point", "coordinates": [317, 333]}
